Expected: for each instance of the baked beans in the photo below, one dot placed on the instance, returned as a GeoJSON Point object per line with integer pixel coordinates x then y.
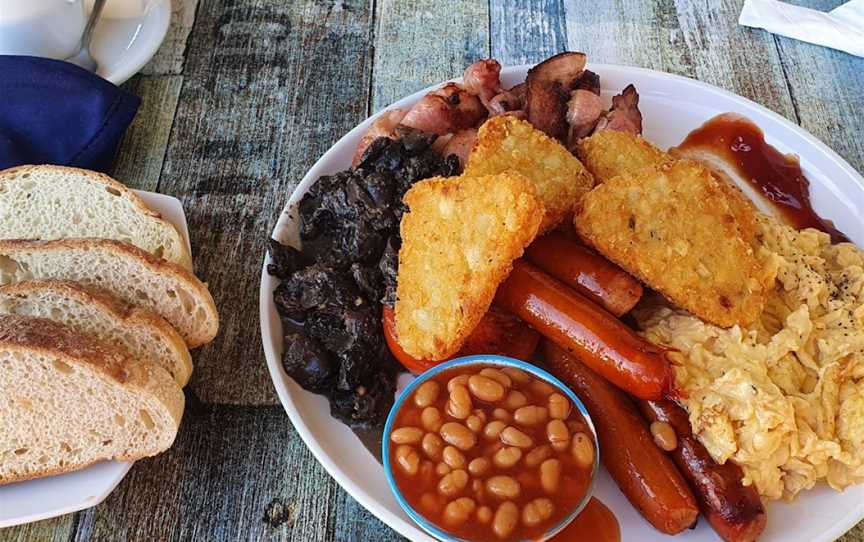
{"type": "Point", "coordinates": [453, 457]}
{"type": "Point", "coordinates": [490, 453]}
{"type": "Point", "coordinates": [664, 436]}
{"type": "Point", "coordinates": [431, 419]}
{"type": "Point", "coordinates": [432, 446]}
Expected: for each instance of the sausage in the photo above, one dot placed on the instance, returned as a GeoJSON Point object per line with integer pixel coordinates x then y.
{"type": "Point", "coordinates": [735, 511]}
{"type": "Point", "coordinates": [583, 328]}
{"type": "Point", "coordinates": [498, 332]}
{"type": "Point", "coordinates": [587, 272]}
{"type": "Point", "coordinates": [646, 475]}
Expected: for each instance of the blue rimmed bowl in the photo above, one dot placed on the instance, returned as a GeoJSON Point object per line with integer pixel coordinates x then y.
{"type": "Point", "coordinates": [482, 361]}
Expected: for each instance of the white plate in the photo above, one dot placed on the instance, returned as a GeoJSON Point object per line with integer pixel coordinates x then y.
{"type": "Point", "coordinates": [124, 46]}
{"type": "Point", "coordinates": [34, 500]}
{"type": "Point", "coordinates": [671, 107]}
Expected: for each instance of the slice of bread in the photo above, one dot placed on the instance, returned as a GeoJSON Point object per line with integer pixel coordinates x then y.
{"type": "Point", "coordinates": [55, 202]}
{"type": "Point", "coordinates": [141, 333]}
{"type": "Point", "coordinates": [127, 272]}
{"type": "Point", "coordinates": [67, 402]}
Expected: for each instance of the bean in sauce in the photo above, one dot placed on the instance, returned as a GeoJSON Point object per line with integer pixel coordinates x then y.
{"type": "Point", "coordinates": [505, 456]}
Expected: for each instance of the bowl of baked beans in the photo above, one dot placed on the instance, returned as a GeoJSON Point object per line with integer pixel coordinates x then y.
{"type": "Point", "coordinates": [490, 449]}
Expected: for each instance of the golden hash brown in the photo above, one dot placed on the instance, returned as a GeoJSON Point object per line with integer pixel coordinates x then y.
{"type": "Point", "coordinates": [672, 226]}
{"type": "Point", "coordinates": [505, 143]}
{"type": "Point", "coordinates": [742, 207]}
{"type": "Point", "coordinates": [459, 240]}
{"type": "Point", "coordinates": [611, 153]}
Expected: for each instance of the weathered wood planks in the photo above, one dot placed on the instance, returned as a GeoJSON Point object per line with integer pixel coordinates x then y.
{"type": "Point", "coordinates": [827, 89]}
{"type": "Point", "coordinates": [59, 529]}
{"type": "Point", "coordinates": [421, 42]}
{"type": "Point", "coordinates": [268, 87]}
{"type": "Point", "coordinates": [142, 150]}
{"type": "Point", "coordinates": [695, 39]}
{"type": "Point", "coordinates": [737, 58]}
{"type": "Point", "coordinates": [169, 58]}
{"type": "Point", "coordinates": [527, 31]}
{"type": "Point", "coordinates": [235, 473]}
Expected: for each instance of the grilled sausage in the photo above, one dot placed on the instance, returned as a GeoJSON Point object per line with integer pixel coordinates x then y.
{"type": "Point", "coordinates": [735, 511]}
{"type": "Point", "coordinates": [583, 328]}
{"type": "Point", "coordinates": [587, 272]}
{"type": "Point", "coordinates": [646, 475]}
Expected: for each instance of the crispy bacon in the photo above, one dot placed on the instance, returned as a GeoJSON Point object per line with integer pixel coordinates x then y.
{"type": "Point", "coordinates": [509, 101]}
{"type": "Point", "coordinates": [459, 144]}
{"type": "Point", "coordinates": [483, 79]}
{"type": "Point", "coordinates": [448, 109]}
{"type": "Point", "coordinates": [549, 87]}
{"type": "Point", "coordinates": [624, 116]}
{"type": "Point", "coordinates": [583, 111]}
{"type": "Point", "coordinates": [589, 81]}
{"type": "Point", "coordinates": [384, 126]}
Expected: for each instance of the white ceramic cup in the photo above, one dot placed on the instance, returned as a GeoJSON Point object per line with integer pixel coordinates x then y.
{"type": "Point", "coordinates": [46, 28]}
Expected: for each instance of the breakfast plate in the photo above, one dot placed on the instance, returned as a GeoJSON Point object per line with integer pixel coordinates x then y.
{"type": "Point", "coordinates": [122, 46]}
{"type": "Point", "coordinates": [34, 500]}
{"type": "Point", "coordinates": [672, 106]}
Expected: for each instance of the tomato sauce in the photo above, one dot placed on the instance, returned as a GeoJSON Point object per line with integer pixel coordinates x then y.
{"type": "Point", "coordinates": [775, 176]}
{"type": "Point", "coordinates": [595, 523]}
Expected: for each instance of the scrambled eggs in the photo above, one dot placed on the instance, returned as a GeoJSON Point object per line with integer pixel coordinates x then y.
{"type": "Point", "coordinates": [784, 396]}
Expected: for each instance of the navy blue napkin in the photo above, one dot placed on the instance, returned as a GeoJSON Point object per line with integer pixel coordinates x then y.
{"type": "Point", "coordinates": [53, 112]}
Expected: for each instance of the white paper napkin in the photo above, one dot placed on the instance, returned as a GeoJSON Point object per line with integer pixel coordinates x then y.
{"type": "Point", "coordinates": [841, 28]}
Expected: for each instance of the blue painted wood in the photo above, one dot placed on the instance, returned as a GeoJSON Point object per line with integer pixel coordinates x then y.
{"type": "Point", "coordinates": [421, 42]}
{"type": "Point", "coordinates": [527, 31]}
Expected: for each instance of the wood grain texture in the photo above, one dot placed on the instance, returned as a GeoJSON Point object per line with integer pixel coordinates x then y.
{"type": "Point", "coordinates": [169, 58]}
{"type": "Point", "coordinates": [50, 530]}
{"type": "Point", "coordinates": [235, 473]}
{"type": "Point", "coordinates": [630, 32]}
{"type": "Point", "coordinates": [736, 58]}
{"type": "Point", "coordinates": [827, 89]}
{"type": "Point", "coordinates": [527, 31]}
{"type": "Point", "coordinates": [268, 87]}
{"type": "Point", "coordinates": [422, 42]}
{"type": "Point", "coordinates": [685, 37]}
{"type": "Point", "coordinates": [143, 147]}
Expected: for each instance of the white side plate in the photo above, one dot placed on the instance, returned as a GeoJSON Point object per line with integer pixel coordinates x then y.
{"type": "Point", "coordinates": [25, 502]}
{"type": "Point", "coordinates": [671, 106]}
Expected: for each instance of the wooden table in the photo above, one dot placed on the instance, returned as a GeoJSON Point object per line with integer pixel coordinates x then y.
{"type": "Point", "coordinates": [241, 100]}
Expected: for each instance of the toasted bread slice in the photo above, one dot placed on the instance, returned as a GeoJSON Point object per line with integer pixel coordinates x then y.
{"type": "Point", "coordinates": [507, 144]}
{"type": "Point", "coordinates": [141, 333]}
{"type": "Point", "coordinates": [127, 272]}
{"type": "Point", "coordinates": [67, 402]}
{"type": "Point", "coordinates": [672, 226]}
{"type": "Point", "coordinates": [55, 202]}
{"type": "Point", "coordinates": [459, 240]}
{"type": "Point", "coordinates": [610, 153]}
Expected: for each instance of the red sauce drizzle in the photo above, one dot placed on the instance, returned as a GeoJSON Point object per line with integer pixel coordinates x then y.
{"type": "Point", "coordinates": [595, 523]}
{"type": "Point", "coordinates": [778, 177]}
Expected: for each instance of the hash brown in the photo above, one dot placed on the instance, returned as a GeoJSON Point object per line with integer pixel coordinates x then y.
{"type": "Point", "coordinates": [742, 207]}
{"type": "Point", "coordinates": [610, 153]}
{"type": "Point", "coordinates": [672, 226]}
{"type": "Point", "coordinates": [459, 239]}
{"type": "Point", "coordinates": [505, 143]}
